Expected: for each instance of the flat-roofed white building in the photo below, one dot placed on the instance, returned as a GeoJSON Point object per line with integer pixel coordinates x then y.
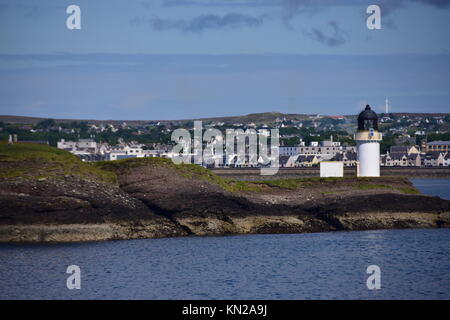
{"type": "Point", "coordinates": [331, 169]}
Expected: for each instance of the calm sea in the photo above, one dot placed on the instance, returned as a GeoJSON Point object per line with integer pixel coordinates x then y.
{"type": "Point", "coordinates": [414, 264]}
{"type": "Point", "coordinates": [433, 187]}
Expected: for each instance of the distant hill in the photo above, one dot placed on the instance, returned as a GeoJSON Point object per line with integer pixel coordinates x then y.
{"type": "Point", "coordinates": [253, 117]}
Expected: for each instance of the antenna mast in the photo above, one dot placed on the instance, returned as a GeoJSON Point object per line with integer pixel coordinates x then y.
{"type": "Point", "coordinates": [387, 105]}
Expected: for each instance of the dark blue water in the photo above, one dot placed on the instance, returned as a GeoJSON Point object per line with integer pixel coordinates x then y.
{"type": "Point", "coordinates": [415, 264]}
{"type": "Point", "coordinates": [433, 187]}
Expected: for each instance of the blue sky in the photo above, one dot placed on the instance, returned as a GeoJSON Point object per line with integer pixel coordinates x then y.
{"type": "Point", "coordinates": [196, 58]}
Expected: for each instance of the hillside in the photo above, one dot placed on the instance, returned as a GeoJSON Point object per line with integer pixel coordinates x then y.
{"type": "Point", "coordinates": [253, 117]}
{"type": "Point", "coordinates": [41, 162]}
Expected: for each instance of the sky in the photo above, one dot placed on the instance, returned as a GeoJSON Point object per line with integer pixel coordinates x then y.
{"type": "Point", "coordinates": [174, 59]}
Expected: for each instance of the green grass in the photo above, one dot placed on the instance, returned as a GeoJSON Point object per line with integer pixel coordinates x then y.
{"type": "Point", "coordinates": [330, 192]}
{"type": "Point", "coordinates": [291, 184]}
{"type": "Point", "coordinates": [369, 186]}
{"type": "Point", "coordinates": [236, 186]}
{"type": "Point", "coordinates": [37, 161]}
{"type": "Point", "coordinates": [409, 190]}
{"type": "Point", "coordinates": [189, 171]}
{"type": "Point", "coordinates": [406, 190]}
{"type": "Point", "coordinates": [34, 161]}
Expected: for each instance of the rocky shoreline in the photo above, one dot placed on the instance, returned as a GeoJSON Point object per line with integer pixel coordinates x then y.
{"type": "Point", "coordinates": [216, 226]}
{"type": "Point", "coordinates": [153, 198]}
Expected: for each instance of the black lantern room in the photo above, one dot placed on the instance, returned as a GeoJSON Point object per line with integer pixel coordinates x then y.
{"type": "Point", "coordinates": [367, 119]}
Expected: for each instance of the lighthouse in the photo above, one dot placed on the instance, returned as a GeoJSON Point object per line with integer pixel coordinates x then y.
{"type": "Point", "coordinates": [368, 144]}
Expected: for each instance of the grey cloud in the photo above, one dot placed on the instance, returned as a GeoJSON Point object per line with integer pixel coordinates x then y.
{"type": "Point", "coordinates": [201, 23]}
{"type": "Point", "coordinates": [389, 6]}
{"type": "Point", "coordinates": [292, 4]}
{"type": "Point", "coordinates": [436, 3]}
{"type": "Point", "coordinates": [292, 8]}
{"type": "Point", "coordinates": [221, 3]}
{"type": "Point", "coordinates": [210, 21]}
{"type": "Point", "coordinates": [336, 38]}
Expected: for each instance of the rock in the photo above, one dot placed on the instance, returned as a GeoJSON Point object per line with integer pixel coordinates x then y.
{"type": "Point", "coordinates": [157, 201]}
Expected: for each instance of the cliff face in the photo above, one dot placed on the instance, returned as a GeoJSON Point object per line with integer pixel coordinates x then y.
{"type": "Point", "coordinates": [43, 200]}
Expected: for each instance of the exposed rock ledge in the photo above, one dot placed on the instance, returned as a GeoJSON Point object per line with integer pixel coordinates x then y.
{"type": "Point", "coordinates": [214, 226]}
{"type": "Point", "coordinates": [153, 198]}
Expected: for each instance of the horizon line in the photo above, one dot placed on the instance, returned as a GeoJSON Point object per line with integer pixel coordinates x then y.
{"type": "Point", "coordinates": [219, 117]}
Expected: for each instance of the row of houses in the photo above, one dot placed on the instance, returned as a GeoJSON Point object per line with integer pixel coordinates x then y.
{"type": "Point", "coordinates": [423, 159]}
{"type": "Point", "coordinates": [397, 156]}
{"type": "Point", "coordinates": [312, 155]}
{"type": "Point", "coordinates": [90, 150]}
{"type": "Point", "coordinates": [309, 160]}
{"type": "Point", "coordinates": [289, 156]}
{"type": "Point", "coordinates": [430, 159]}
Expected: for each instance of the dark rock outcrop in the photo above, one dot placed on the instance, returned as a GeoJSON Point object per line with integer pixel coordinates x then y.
{"type": "Point", "coordinates": [153, 200]}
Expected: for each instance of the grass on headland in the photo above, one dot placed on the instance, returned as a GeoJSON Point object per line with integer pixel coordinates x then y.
{"type": "Point", "coordinates": [189, 171]}
{"type": "Point", "coordinates": [38, 161]}
{"type": "Point", "coordinates": [328, 184]}
{"type": "Point", "coordinates": [409, 190]}
{"type": "Point", "coordinates": [369, 186]}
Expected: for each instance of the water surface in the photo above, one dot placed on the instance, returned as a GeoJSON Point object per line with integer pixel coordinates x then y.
{"type": "Point", "coordinates": [433, 187]}
{"type": "Point", "coordinates": [414, 264]}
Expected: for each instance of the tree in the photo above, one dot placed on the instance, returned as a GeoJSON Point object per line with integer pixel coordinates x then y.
{"type": "Point", "coordinates": [45, 124]}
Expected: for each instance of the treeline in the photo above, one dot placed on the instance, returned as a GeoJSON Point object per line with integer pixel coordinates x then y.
{"type": "Point", "coordinates": [311, 134]}
{"type": "Point", "coordinates": [48, 130]}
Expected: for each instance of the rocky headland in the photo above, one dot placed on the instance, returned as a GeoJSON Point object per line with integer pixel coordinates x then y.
{"type": "Point", "coordinates": [49, 195]}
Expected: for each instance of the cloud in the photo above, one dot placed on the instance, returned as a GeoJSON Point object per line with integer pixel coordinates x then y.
{"type": "Point", "coordinates": [389, 6]}
{"type": "Point", "coordinates": [293, 4]}
{"type": "Point", "coordinates": [436, 3]}
{"type": "Point", "coordinates": [220, 3]}
{"type": "Point", "coordinates": [336, 38]}
{"type": "Point", "coordinates": [202, 22]}
{"type": "Point", "coordinates": [292, 8]}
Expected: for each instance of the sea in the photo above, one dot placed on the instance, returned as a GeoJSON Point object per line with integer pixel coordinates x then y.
{"type": "Point", "coordinates": [379, 264]}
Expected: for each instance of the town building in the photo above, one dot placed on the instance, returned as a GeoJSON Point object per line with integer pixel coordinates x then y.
{"type": "Point", "coordinates": [436, 146]}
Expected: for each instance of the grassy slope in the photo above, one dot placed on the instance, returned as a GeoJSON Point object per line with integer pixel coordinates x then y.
{"type": "Point", "coordinates": [37, 161]}
{"type": "Point", "coordinates": [190, 171]}
{"type": "Point", "coordinates": [387, 183]}
{"type": "Point", "coordinates": [34, 161]}
{"type": "Point", "coordinates": [197, 172]}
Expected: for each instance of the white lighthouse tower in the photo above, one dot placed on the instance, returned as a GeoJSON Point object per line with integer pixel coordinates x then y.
{"type": "Point", "coordinates": [368, 144]}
